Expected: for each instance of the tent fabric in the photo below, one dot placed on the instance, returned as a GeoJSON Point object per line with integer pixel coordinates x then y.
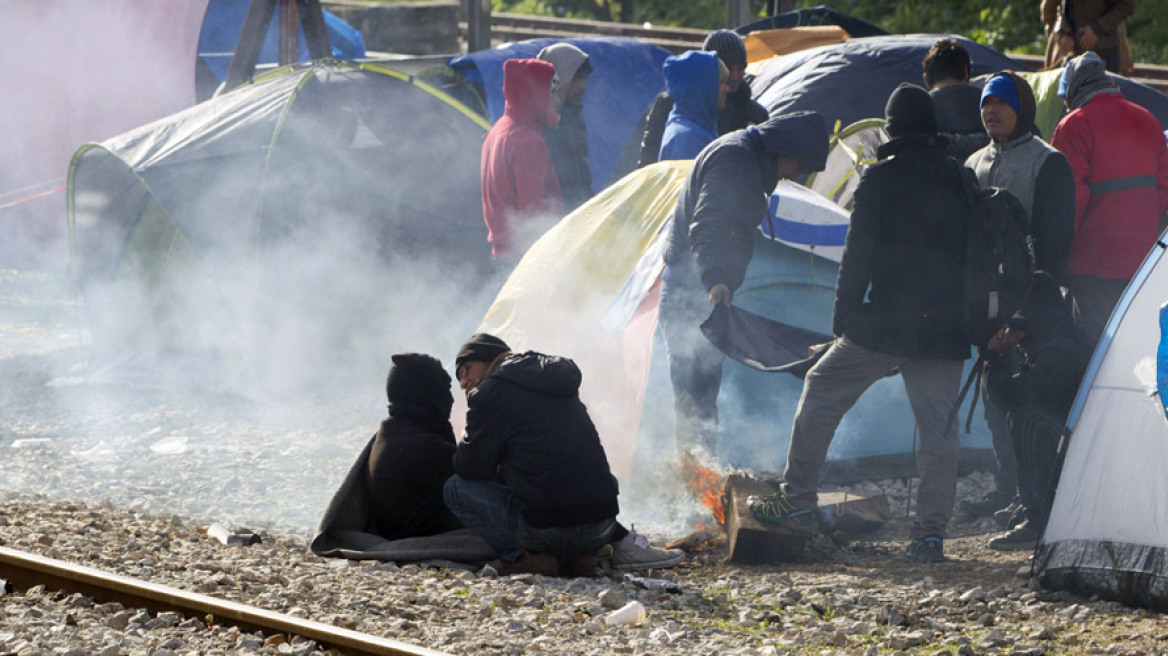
{"type": "Point", "coordinates": [223, 23]}
{"type": "Point", "coordinates": [126, 63]}
{"type": "Point", "coordinates": [813, 17]}
{"type": "Point", "coordinates": [626, 77]}
{"type": "Point", "coordinates": [765, 44]}
{"type": "Point", "coordinates": [342, 532]}
{"type": "Point", "coordinates": [175, 213]}
{"type": "Point", "coordinates": [1108, 530]}
{"type": "Point", "coordinates": [758, 342]}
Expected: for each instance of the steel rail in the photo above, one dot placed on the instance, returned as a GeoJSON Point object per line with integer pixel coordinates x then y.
{"type": "Point", "coordinates": [25, 570]}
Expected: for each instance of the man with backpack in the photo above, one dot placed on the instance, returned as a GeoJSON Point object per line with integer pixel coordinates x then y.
{"type": "Point", "coordinates": [1040, 178]}
{"type": "Point", "coordinates": [898, 305]}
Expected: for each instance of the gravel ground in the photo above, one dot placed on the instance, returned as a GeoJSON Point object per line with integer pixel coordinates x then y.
{"type": "Point", "coordinates": [126, 475]}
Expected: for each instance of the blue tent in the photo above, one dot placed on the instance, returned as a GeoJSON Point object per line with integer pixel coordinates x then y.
{"type": "Point", "coordinates": [626, 77]}
{"type": "Point", "coordinates": [223, 24]}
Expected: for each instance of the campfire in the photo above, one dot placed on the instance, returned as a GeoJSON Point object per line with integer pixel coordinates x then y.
{"type": "Point", "coordinates": [707, 485]}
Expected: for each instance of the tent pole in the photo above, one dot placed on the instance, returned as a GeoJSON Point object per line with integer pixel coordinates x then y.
{"type": "Point", "coordinates": [251, 39]}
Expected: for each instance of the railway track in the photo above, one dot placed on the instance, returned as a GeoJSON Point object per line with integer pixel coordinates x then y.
{"type": "Point", "coordinates": [24, 570]}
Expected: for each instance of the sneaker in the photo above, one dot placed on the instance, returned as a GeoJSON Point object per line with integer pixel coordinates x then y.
{"type": "Point", "coordinates": [1010, 516]}
{"type": "Point", "coordinates": [634, 552]}
{"type": "Point", "coordinates": [987, 505]}
{"type": "Point", "coordinates": [1023, 537]}
{"type": "Point", "coordinates": [777, 510]}
{"type": "Point", "coordinates": [528, 562]}
{"type": "Point", "coordinates": [929, 549]}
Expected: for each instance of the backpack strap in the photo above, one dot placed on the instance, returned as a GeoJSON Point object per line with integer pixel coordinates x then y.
{"type": "Point", "coordinates": [974, 375]}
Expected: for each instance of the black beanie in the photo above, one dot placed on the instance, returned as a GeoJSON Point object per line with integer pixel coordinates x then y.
{"type": "Point", "coordinates": [729, 46]}
{"type": "Point", "coordinates": [420, 381]}
{"type": "Point", "coordinates": [481, 347]}
{"type": "Point", "coordinates": [910, 111]}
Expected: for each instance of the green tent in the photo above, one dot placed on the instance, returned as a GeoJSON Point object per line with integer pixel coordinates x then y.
{"type": "Point", "coordinates": [314, 187]}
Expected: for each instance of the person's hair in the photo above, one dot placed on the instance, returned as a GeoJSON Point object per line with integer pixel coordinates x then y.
{"type": "Point", "coordinates": [946, 59]}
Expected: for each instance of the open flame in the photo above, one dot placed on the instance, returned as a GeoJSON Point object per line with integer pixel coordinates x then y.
{"type": "Point", "coordinates": [707, 485]}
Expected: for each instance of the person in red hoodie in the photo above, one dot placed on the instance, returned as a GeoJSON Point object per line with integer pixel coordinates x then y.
{"type": "Point", "coordinates": [521, 193]}
{"type": "Point", "coordinates": [1120, 165]}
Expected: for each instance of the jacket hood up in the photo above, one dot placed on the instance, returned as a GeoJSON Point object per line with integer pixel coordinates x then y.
{"type": "Point", "coordinates": [1026, 104]}
{"type": "Point", "coordinates": [691, 80]}
{"type": "Point", "coordinates": [527, 86]}
{"type": "Point", "coordinates": [544, 374]}
{"type": "Point", "coordinates": [567, 60]}
{"type": "Point", "coordinates": [1084, 78]}
{"type": "Point", "coordinates": [801, 136]}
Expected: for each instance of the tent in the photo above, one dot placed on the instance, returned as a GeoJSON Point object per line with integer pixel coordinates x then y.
{"type": "Point", "coordinates": [86, 72]}
{"type": "Point", "coordinates": [273, 193]}
{"type": "Point", "coordinates": [626, 77]}
{"type": "Point", "coordinates": [1108, 529]}
{"type": "Point", "coordinates": [223, 23]}
{"type": "Point", "coordinates": [852, 80]}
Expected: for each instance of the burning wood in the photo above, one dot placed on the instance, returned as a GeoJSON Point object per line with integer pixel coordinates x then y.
{"type": "Point", "coordinates": [707, 485]}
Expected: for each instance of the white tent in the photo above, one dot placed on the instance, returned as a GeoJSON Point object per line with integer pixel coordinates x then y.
{"type": "Point", "coordinates": [1108, 530]}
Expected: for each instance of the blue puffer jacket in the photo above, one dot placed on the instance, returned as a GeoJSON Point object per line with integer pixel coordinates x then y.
{"type": "Point", "coordinates": [691, 79]}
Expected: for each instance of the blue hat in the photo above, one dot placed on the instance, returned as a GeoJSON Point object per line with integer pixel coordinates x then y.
{"type": "Point", "coordinates": [1002, 86]}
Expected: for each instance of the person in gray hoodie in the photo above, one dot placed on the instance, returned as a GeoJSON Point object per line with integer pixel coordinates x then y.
{"type": "Point", "coordinates": [568, 139]}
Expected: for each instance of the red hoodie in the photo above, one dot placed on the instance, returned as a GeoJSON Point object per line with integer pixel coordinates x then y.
{"type": "Point", "coordinates": [1120, 162]}
{"type": "Point", "coordinates": [519, 181]}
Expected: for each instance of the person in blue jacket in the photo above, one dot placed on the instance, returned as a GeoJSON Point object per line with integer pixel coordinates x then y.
{"type": "Point", "coordinates": [696, 81]}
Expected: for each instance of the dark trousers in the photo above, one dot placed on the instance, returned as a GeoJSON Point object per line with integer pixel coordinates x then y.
{"type": "Point", "coordinates": [997, 420]}
{"type": "Point", "coordinates": [1095, 298]}
{"type": "Point", "coordinates": [490, 510]}
{"type": "Point", "coordinates": [1036, 436]}
{"type": "Point", "coordinates": [695, 365]}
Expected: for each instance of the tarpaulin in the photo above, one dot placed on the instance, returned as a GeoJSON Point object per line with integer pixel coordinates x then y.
{"type": "Point", "coordinates": [761, 343]}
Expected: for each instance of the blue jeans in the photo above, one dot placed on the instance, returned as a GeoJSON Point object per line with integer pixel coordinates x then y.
{"type": "Point", "coordinates": [489, 509]}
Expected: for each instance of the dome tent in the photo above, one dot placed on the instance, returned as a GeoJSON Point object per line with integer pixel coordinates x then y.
{"type": "Point", "coordinates": [273, 194]}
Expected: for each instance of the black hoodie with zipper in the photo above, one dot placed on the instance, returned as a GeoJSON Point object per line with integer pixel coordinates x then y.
{"type": "Point", "coordinates": [527, 428]}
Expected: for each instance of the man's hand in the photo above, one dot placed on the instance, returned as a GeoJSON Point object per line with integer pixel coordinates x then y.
{"type": "Point", "coordinates": [719, 295]}
{"type": "Point", "coordinates": [1088, 38]}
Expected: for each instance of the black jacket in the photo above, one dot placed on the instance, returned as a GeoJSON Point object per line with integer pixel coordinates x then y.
{"type": "Point", "coordinates": [409, 462]}
{"type": "Point", "coordinates": [568, 143]}
{"type": "Point", "coordinates": [726, 196]}
{"type": "Point", "coordinates": [740, 112]}
{"type": "Point", "coordinates": [526, 425]}
{"type": "Point", "coordinates": [906, 241]}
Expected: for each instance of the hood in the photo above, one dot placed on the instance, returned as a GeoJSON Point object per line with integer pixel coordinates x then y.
{"type": "Point", "coordinates": [527, 86]}
{"type": "Point", "coordinates": [418, 386]}
{"type": "Point", "coordinates": [544, 374]}
{"type": "Point", "coordinates": [567, 60]}
{"type": "Point", "coordinates": [801, 136]}
{"type": "Point", "coordinates": [1009, 86]}
{"type": "Point", "coordinates": [909, 111]}
{"type": "Point", "coordinates": [691, 80]}
{"type": "Point", "coordinates": [1084, 78]}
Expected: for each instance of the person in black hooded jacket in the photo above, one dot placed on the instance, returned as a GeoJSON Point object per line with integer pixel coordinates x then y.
{"type": "Point", "coordinates": [531, 476]}
{"type": "Point", "coordinates": [1037, 396]}
{"type": "Point", "coordinates": [410, 458]}
{"type": "Point", "coordinates": [710, 242]}
{"type": "Point", "coordinates": [897, 306]}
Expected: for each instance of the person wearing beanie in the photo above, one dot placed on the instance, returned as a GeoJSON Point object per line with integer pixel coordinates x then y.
{"type": "Point", "coordinates": [945, 71]}
{"type": "Point", "coordinates": [394, 490]}
{"type": "Point", "coordinates": [531, 477]}
{"type": "Point", "coordinates": [1120, 166]}
{"type": "Point", "coordinates": [568, 139]}
{"type": "Point", "coordinates": [737, 111]}
{"type": "Point", "coordinates": [710, 242]}
{"type": "Point", "coordinates": [695, 82]}
{"type": "Point", "coordinates": [521, 193]}
{"type": "Point", "coordinates": [1033, 368]}
{"type": "Point", "coordinates": [1040, 178]}
{"type": "Point", "coordinates": [897, 306]}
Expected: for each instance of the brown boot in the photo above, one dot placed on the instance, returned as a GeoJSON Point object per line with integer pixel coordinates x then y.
{"type": "Point", "coordinates": [528, 562]}
{"type": "Point", "coordinates": [581, 566]}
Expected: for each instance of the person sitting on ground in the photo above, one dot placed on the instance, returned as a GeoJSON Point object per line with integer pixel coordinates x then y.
{"type": "Point", "coordinates": [946, 73]}
{"type": "Point", "coordinates": [897, 306]}
{"type": "Point", "coordinates": [1037, 396]}
{"type": "Point", "coordinates": [1040, 178]}
{"type": "Point", "coordinates": [521, 193]}
{"type": "Point", "coordinates": [531, 476]}
{"type": "Point", "coordinates": [740, 109]}
{"type": "Point", "coordinates": [568, 139]}
{"type": "Point", "coordinates": [697, 83]}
